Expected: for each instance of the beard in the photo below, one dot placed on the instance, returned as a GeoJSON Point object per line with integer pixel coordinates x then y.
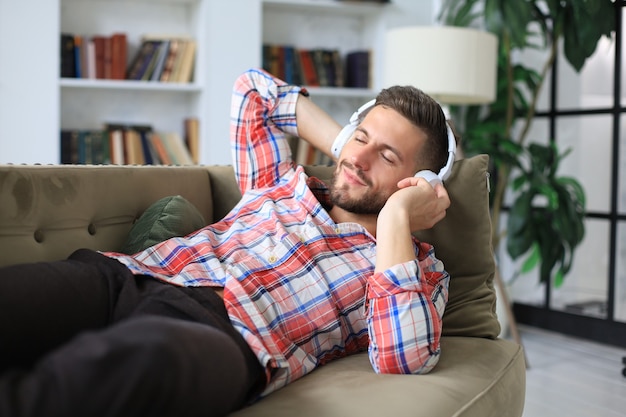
{"type": "Point", "coordinates": [371, 203]}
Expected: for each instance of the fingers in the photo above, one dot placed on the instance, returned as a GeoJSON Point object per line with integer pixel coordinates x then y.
{"type": "Point", "coordinates": [411, 181]}
{"type": "Point", "coordinates": [442, 194]}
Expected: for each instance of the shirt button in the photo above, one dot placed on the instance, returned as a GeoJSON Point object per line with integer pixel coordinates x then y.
{"type": "Point", "coordinates": [272, 258]}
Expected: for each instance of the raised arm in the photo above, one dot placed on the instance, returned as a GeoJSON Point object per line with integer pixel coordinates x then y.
{"type": "Point", "coordinates": [408, 292]}
{"type": "Point", "coordinates": [263, 110]}
{"type": "Point", "coordinates": [315, 125]}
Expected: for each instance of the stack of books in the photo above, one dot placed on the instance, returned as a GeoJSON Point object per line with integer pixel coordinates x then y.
{"type": "Point", "coordinates": [164, 59]}
{"type": "Point", "coordinates": [121, 144]}
{"type": "Point", "coordinates": [318, 67]}
{"type": "Point", "coordinates": [159, 58]}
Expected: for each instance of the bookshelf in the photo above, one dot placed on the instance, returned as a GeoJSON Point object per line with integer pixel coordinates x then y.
{"type": "Point", "coordinates": [340, 25]}
{"type": "Point", "coordinates": [330, 25]}
{"type": "Point", "coordinates": [36, 103]}
{"type": "Point", "coordinates": [87, 104]}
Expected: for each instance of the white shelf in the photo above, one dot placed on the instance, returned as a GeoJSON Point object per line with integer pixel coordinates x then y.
{"type": "Point", "coordinates": [80, 83]}
{"type": "Point", "coordinates": [341, 92]}
{"type": "Point", "coordinates": [353, 8]}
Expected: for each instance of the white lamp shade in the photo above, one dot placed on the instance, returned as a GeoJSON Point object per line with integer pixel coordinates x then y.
{"type": "Point", "coordinates": [453, 65]}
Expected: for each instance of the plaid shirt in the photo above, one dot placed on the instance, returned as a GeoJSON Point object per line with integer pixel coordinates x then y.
{"type": "Point", "coordinates": [300, 288]}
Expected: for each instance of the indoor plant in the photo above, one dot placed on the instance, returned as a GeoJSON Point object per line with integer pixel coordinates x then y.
{"type": "Point", "coordinates": [546, 216]}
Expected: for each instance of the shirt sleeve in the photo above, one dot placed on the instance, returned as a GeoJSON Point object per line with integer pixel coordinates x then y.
{"type": "Point", "coordinates": [263, 113]}
{"type": "Point", "coordinates": [405, 311]}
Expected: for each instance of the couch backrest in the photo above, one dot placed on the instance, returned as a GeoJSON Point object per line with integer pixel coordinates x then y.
{"type": "Point", "coordinates": [46, 212]}
{"type": "Point", "coordinates": [462, 241]}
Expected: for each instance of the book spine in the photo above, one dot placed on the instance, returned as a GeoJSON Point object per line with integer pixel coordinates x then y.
{"type": "Point", "coordinates": [161, 58]}
{"type": "Point", "coordinates": [68, 59]}
{"type": "Point", "coordinates": [78, 44]}
{"type": "Point", "coordinates": [308, 68]}
{"type": "Point", "coordinates": [187, 62]}
{"type": "Point", "coordinates": [358, 69]}
{"type": "Point", "coordinates": [118, 56]}
{"type": "Point", "coordinates": [192, 138]}
{"type": "Point", "coordinates": [142, 60]}
{"type": "Point", "coordinates": [168, 66]}
{"type": "Point", "coordinates": [99, 46]}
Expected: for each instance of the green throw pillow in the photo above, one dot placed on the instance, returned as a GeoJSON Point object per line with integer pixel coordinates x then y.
{"type": "Point", "coordinates": [168, 217]}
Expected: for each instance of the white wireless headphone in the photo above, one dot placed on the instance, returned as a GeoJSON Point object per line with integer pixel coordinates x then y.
{"type": "Point", "coordinates": [357, 117]}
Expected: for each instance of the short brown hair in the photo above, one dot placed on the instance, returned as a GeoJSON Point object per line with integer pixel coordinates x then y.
{"type": "Point", "coordinates": [425, 113]}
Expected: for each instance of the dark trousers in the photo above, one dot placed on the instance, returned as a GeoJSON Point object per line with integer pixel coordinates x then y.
{"type": "Point", "coordinates": [85, 337]}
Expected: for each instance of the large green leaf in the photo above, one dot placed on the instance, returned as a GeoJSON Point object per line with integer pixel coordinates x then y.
{"type": "Point", "coordinates": [581, 37]}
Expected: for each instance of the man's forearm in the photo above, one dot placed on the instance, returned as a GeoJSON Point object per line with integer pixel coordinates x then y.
{"type": "Point", "coordinates": [394, 242]}
{"type": "Point", "coordinates": [315, 125]}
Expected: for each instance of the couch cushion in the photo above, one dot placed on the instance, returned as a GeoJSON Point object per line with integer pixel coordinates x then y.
{"type": "Point", "coordinates": [462, 241]}
{"type": "Point", "coordinates": [475, 377]}
{"type": "Point", "coordinates": [168, 217]}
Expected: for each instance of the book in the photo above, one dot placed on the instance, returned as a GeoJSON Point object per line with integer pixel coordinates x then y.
{"type": "Point", "coordinates": [176, 148]}
{"type": "Point", "coordinates": [309, 72]}
{"type": "Point", "coordinates": [150, 156]}
{"type": "Point", "coordinates": [162, 55]}
{"type": "Point", "coordinates": [108, 55]}
{"type": "Point", "coordinates": [118, 44]}
{"type": "Point", "coordinates": [68, 57]}
{"type": "Point", "coordinates": [192, 138]}
{"type": "Point", "coordinates": [90, 71]}
{"type": "Point", "coordinates": [358, 69]}
{"type": "Point", "coordinates": [78, 59]}
{"type": "Point", "coordinates": [69, 146]}
{"type": "Point", "coordinates": [99, 45]}
{"type": "Point", "coordinates": [143, 59]}
{"type": "Point", "coordinates": [172, 55]}
{"type": "Point", "coordinates": [116, 145]}
{"type": "Point", "coordinates": [339, 72]}
{"type": "Point", "coordinates": [176, 66]}
{"type": "Point", "coordinates": [133, 147]}
{"type": "Point", "coordinates": [159, 146]}
{"type": "Point", "coordinates": [187, 62]}
{"type": "Point", "coordinates": [320, 67]}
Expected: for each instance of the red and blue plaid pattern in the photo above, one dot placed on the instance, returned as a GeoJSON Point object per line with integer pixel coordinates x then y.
{"type": "Point", "coordinates": [300, 288]}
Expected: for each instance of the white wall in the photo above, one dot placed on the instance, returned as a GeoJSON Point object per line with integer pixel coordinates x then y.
{"type": "Point", "coordinates": [29, 47]}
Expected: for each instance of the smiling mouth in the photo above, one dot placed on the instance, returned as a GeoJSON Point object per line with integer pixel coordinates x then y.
{"type": "Point", "coordinates": [354, 175]}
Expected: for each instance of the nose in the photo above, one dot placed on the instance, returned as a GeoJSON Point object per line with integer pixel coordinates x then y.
{"type": "Point", "coordinates": [360, 157]}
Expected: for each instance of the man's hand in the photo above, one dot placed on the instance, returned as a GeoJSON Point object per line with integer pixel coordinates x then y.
{"type": "Point", "coordinates": [415, 206]}
{"type": "Point", "coordinates": [421, 204]}
{"type": "Point", "coordinates": [425, 205]}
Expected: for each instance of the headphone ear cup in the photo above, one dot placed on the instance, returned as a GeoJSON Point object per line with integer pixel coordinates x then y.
{"type": "Point", "coordinates": [348, 130]}
{"type": "Point", "coordinates": [342, 138]}
{"type": "Point", "coordinates": [429, 176]}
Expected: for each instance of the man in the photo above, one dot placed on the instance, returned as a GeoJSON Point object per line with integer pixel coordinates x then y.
{"type": "Point", "coordinates": [296, 275]}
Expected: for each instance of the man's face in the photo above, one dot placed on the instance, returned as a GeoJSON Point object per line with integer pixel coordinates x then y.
{"type": "Point", "coordinates": [381, 152]}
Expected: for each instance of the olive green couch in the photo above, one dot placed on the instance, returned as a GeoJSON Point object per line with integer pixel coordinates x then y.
{"type": "Point", "coordinates": [48, 211]}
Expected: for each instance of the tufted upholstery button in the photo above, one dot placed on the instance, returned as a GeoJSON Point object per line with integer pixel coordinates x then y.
{"type": "Point", "coordinates": [91, 229]}
{"type": "Point", "coordinates": [38, 236]}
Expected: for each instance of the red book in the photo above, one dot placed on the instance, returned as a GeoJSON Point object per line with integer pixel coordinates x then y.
{"type": "Point", "coordinates": [99, 47]}
{"type": "Point", "coordinates": [107, 58]}
{"type": "Point", "coordinates": [308, 68]}
{"type": "Point", "coordinates": [118, 56]}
